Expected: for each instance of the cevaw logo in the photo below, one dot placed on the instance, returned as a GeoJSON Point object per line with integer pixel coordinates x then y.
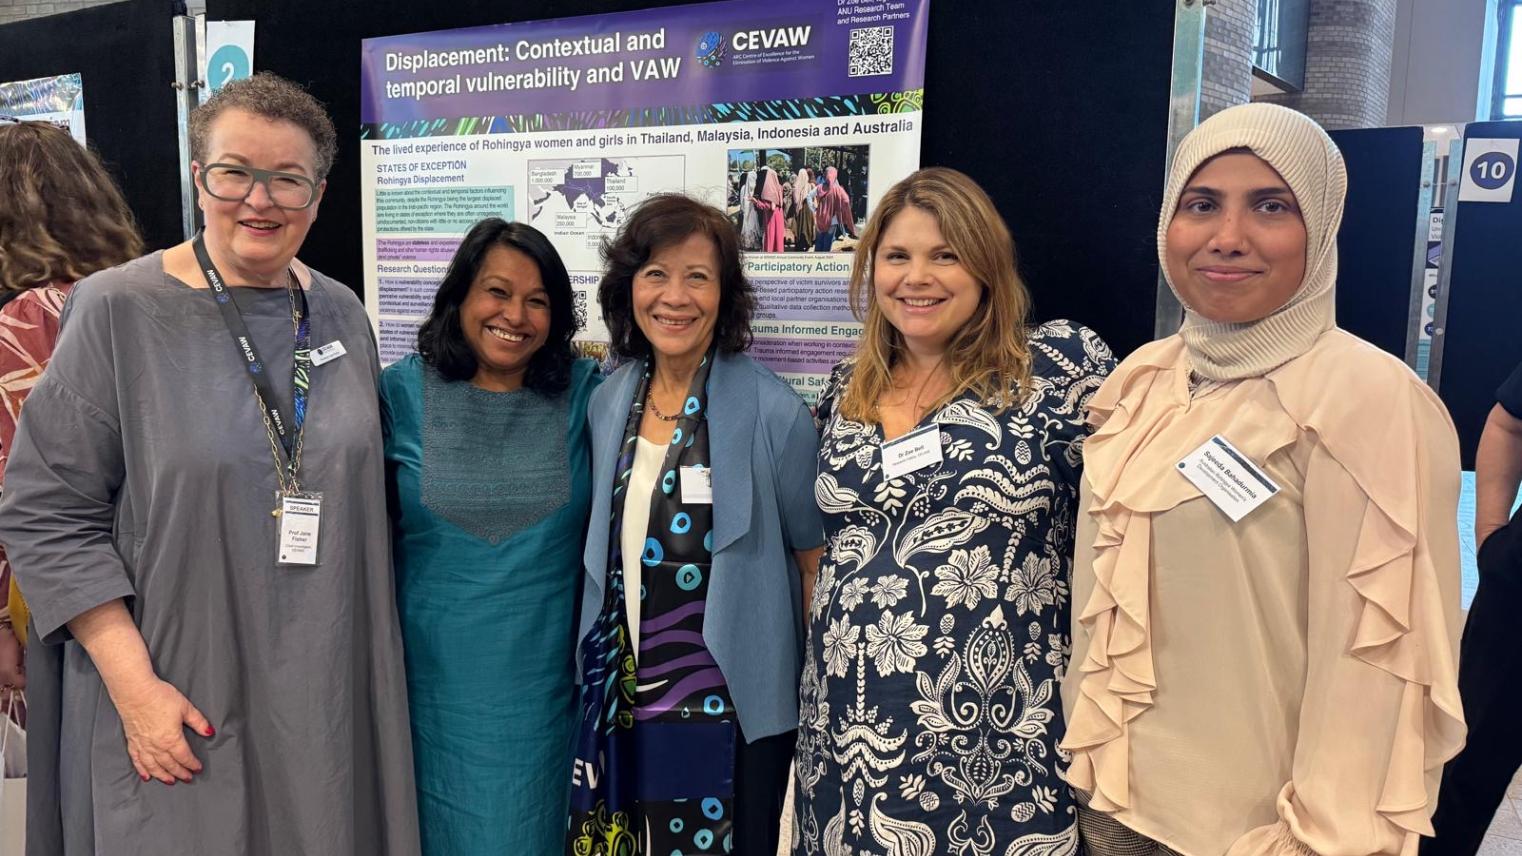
{"type": "Point", "coordinates": [776, 37]}
{"type": "Point", "coordinates": [710, 50]}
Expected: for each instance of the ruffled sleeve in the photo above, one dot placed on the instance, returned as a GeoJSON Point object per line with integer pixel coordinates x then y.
{"type": "Point", "coordinates": [1381, 711]}
{"type": "Point", "coordinates": [1111, 680]}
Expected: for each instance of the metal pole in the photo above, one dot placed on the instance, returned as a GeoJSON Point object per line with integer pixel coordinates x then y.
{"type": "Point", "coordinates": [203, 90]}
{"type": "Point", "coordinates": [1445, 265]}
{"type": "Point", "coordinates": [1183, 115]}
{"type": "Point", "coordinates": [187, 85]}
{"type": "Point", "coordinates": [1414, 319]}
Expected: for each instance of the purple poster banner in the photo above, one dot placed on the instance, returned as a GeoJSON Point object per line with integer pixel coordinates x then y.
{"type": "Point", "coordinates": [764, 109]}
{"type": "Point", "coordinates": [740, 52]}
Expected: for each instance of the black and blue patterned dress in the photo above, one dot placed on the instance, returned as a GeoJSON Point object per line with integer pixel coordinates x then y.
{"type": "Point", "coordinates": [938, 632]}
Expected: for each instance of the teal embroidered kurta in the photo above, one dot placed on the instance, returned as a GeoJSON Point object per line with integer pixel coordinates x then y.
{"type": "Point", "coordinates": [489, 494]}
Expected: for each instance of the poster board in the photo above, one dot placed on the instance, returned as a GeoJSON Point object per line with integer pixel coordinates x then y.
{"type": "Point", "coordinates": [568, 124]}
{"type": "Point", "coordinates": [59, 99]}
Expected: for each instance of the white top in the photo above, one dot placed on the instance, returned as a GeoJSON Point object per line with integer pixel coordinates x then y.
{"type": "Point", "coordinates": [648, 457]}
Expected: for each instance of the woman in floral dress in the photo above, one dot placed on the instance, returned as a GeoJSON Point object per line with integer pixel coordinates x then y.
{"type": "Point", "coordinates": [948, 475]}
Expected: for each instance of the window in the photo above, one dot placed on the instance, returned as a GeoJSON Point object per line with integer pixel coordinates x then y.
{"type": "Point", "coordinates": [1508, 88]}
{"type": "Point", "coordinates": [1279, 41]}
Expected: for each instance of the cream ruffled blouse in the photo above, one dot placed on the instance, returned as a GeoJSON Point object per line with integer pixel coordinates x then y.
{"type": "Point", "coordinates": [1285, 684]}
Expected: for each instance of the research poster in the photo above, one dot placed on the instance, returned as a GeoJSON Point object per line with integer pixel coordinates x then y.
{"type": "Point", "coordinates": [60, 100]}
{"type": "Point", "coordinates": [812, 107]}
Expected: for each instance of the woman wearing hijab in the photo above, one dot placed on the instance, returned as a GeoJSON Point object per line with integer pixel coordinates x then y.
{"type": "Point", "coordinates": [750, 221]}
{"type": "Point", "coordinates": [1263, 660]}
{"type": "Point", "coordinates": [769, 204]}
{"type": "Point", "coordinates": [803, 213]}
{"type": "Point", "coordinates": [832, 213]}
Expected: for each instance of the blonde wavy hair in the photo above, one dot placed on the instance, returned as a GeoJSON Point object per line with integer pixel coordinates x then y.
{"type": "Point", "coordinates": [990, 355]}
{"type": "Point", "coordinates": [62, 218]}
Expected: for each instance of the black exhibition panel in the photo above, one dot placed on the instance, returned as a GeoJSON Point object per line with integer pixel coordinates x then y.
{"type": "Point", "coordinates": [1060, 110]}
{"type": "Point", "coordinates": [1023, 96]}
{"type": "Point", "coordinates": [1377, 245]}
{"type": "Point", "coordinates": [1482, 336]}
{"type": "Point", "coordinates": [124, 54]}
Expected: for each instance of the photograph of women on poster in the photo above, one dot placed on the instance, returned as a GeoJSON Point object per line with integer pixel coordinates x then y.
{"type": "Point", "coordinates": [798, 200]}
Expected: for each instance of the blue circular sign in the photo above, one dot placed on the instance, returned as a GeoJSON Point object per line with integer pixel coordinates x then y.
{"type": "Point", "coordinates": [1492, 170]}
{"type": "Point", "coordinates": [227, 63]}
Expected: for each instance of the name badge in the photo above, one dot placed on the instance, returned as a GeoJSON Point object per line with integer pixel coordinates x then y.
{"type": "Point", "coordinates": [913, 451]}
{"type": "Point", "coordinates": [300, 517]}
{"type": "Point", "coordinates": [697, 485]}
{"type": "Point", "coordinates": [328, 353]}
{"type": "Point", "coordinates": [1227, 478]}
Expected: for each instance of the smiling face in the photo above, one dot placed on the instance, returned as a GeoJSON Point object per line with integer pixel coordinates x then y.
{"type": "Point", "coordinates": [505, 317]}
{"type": "Point", "coordinates": [1236, 247]}
{"type": "Point", "coordinates": [920, 284]}
{"type": "Point", "coordinates": [676, 297]}
{"type": "Point", "coordinates": [254, 240]}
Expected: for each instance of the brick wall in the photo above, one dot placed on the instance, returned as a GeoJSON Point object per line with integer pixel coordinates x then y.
{"type": "Point", "coordinates": [1347, 63]}
{"type": "Point", "coordinates": [1226, 75]}
{"type": "Point", "coordinates": [19, 10]}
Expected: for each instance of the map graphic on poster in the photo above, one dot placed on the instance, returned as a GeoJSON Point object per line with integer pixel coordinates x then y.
{"type": "Point", "coordinates": [763, 110]}
{"type": "Point", "coordinates": [579, 202]}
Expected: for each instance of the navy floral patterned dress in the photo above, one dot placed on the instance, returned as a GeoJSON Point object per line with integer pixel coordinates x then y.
{"type": "Point", "coordinates": [938, 632]}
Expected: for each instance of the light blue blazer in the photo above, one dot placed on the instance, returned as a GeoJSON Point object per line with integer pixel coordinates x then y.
{"type": "Point", "coordinates": [764, 457]}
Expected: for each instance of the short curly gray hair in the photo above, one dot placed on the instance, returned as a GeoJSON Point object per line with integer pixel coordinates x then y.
{"type": "Point", "coordinates": [273, 97]}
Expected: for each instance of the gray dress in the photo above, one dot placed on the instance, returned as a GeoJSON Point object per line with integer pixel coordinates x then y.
{"type": "Point", "coordinates": [142, 470]}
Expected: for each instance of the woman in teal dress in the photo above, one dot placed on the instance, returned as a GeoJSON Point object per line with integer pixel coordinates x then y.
{"type": "Point", "coordinates": [488, 474]}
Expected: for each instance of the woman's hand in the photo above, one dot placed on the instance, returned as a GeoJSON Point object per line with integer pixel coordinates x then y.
{"type": "Point", "coordinates": [154, 716]}
{"type": "Point", "coordinates": [153, 713]}
{"type": "Point", "coordinates": [12, 665]}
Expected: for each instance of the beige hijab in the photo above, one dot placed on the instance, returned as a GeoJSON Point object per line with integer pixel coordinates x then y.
{"type": "Point", "coordinates": [1289, 376]}
{"type": "Point", "coordinates": [1311, 165]}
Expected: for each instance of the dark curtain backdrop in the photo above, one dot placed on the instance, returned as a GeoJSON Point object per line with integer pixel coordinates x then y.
{"type": "Point", "coordinates": [124, 53]}
{"type": "Point", "coordinates": [1060, 110]}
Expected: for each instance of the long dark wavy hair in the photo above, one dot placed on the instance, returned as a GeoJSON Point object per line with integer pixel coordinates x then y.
{"type": "Point", "coordinates": [62, 217]}
{"type": "Point", "coordinates": [441, 339]}
{"type": "Point", "coordinates": [660, 221]}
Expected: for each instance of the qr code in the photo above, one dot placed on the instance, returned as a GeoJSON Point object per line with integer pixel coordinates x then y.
{"type": "Point", "coordinates": [871, 51]}
{"type": "Point", "coordinates": [579, 308]}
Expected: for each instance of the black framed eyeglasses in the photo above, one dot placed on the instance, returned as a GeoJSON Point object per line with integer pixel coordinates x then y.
{"type": "Point", "coordinates": [233, 182]}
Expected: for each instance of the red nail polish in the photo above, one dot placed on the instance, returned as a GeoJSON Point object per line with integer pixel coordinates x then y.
{"type": "Point", "coordinates": [145, 777]}
{"type": "Point", "coordinates": [170, 783]}
{"type": "Point", "coordinates": [211, 732]}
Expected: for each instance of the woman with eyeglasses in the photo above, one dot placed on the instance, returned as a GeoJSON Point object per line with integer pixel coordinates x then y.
{"type": "Point", "coordinates": [195, 509]}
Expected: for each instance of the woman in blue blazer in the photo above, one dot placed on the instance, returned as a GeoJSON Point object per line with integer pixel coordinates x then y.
{"type": "Point", "coordinates": [703, 543]}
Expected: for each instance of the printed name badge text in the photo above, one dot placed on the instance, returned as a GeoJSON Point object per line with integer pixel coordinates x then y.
{"type": "Point", "coordinates": [1227, 477]}
{"type": "Point", "coordinates": [913, 451]}
{"type": "Point", "coordinates": [697, 485]}
{"type": "Point", "coordinates": [300, 518]}
{"type": "Point", "coordinates": [328, 353]}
